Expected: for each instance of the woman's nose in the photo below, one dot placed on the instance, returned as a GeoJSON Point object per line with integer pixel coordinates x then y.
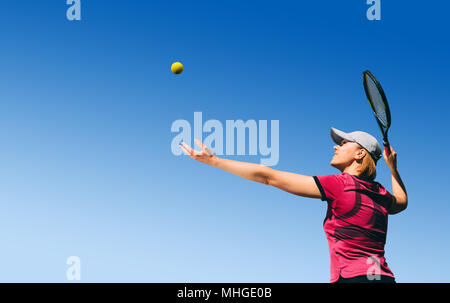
{"type": "Point", "coordinates": [336, 147]}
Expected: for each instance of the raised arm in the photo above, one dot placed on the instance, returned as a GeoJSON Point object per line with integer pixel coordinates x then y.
{"type": "Point", "coordinates": [400, 201]}
{"type": "Point", "coordinates": [290, 182]}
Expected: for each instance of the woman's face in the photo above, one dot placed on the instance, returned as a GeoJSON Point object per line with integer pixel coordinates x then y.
{"type": "Point", "coordinates": [345, 153]}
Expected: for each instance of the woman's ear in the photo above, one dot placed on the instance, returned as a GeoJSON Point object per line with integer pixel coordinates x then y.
{"type": "Point", "coordinates": [361, 154]}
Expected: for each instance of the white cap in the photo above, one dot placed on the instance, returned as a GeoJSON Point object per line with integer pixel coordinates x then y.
{"type": "Point", "coordinates": [364, 139]}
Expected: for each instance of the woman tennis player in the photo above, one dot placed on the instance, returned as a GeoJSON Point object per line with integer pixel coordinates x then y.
{"type": "Point", "coordinates": [358, 207]}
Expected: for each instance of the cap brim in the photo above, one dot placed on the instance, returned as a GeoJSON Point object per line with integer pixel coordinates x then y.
{"type": "Point", "coordinates": [338, 135]}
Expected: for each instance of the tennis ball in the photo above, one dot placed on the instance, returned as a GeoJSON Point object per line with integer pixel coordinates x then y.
{"type": "Point", "coordinates": [177, 68]}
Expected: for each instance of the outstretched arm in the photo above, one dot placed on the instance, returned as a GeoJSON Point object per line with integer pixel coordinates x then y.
{"type": "Point", "coordinates": [290, 182]}
{"type": "Point", "coordinates": [400, 201]}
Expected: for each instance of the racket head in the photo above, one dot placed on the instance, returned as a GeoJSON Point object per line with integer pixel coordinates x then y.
{"type": "Point", "coordinates": [378, 102]}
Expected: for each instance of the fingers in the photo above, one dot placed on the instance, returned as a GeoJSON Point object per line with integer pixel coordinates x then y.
{"type": "Point", "coordinates": [392, 153]}
{"type": "Point", "coordinates": [204, 147]}
{"type": "Point", "coordinates": [186, 148]}
{"type": "Point", "coordinates": [192, 153]}
{"type": "Point", "coordinates": [199, 143]}
{"type": "Point", "coordinates": [208, 151]}
{"type": "Point", "coordinates": [189, 151]}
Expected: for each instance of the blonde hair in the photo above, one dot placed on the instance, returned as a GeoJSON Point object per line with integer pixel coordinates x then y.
{"type": "Point", "coordinates": [368, 168]}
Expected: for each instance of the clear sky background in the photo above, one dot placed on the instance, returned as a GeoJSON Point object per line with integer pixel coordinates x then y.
{"type": "Point", "coordinates": [86, 109]}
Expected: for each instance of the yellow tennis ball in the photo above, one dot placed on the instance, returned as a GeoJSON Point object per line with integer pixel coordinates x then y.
{"type": "Point", "coordinates": [177, 68]}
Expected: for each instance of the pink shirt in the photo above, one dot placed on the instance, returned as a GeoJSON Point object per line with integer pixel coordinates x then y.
{"type": "Point", "coordinates": [355, 225]}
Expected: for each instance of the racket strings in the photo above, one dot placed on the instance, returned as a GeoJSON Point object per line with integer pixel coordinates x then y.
{"type": "Point", "coordinates": [376, 102]}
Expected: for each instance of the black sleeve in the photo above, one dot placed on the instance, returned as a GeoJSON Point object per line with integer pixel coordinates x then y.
{"type": "Point", "coordinates": [322, 192]}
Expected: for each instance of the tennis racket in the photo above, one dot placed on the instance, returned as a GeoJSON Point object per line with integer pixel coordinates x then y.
{"type": "Point", "coordinates": [380, 107]}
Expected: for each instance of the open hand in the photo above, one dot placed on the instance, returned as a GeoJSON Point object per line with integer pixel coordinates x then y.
{"type": "Point", "coordinates": [205, 155]}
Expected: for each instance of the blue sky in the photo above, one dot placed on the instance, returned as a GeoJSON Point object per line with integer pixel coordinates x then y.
{"type": "Point", "coordinates": [86, 109]}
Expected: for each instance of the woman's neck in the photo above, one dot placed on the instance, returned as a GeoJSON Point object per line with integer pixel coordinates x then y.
{"type": "Point", "coordinates": [353, 169]}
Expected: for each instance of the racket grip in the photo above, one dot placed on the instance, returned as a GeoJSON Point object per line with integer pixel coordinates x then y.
{"type": "Point", "coordinates": [387, 150]}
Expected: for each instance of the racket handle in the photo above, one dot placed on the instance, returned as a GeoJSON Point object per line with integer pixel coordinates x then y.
{"type": "Point", "coordinates": [387, 150]}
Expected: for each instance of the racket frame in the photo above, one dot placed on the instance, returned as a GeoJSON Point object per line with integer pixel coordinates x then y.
{"type": "Point", "coordinates": [384, 130]}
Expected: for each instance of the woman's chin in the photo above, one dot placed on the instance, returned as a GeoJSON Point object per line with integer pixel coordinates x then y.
{"type": "Point", "coordinates": [336, 165]}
